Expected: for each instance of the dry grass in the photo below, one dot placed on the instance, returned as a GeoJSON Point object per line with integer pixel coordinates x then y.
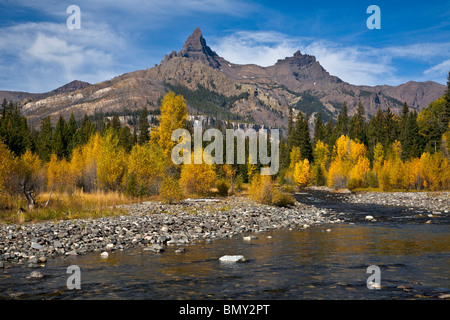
{"type": "Point", "coordinates": [78, 205]}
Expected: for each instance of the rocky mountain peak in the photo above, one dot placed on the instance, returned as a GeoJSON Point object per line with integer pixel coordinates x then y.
{"type": "Point", "coordinates": [195, 48]}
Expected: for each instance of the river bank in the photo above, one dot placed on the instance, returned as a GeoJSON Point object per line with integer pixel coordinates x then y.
{"type": "Point", "coordinates": [437, 202]}
{"type": "Point", "coordinates": [152, 226]}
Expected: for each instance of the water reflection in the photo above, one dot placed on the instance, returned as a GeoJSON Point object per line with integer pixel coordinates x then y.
{"type": "Point", "coordinates": [302, 264]}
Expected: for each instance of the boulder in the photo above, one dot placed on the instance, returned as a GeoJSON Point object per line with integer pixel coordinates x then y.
{"type": "Point", "coordinates": [232, 259]}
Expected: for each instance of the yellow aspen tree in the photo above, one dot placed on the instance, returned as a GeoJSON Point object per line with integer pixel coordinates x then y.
{"type": "Point", "coordinates": [111, 165]}
{"type": "Point", "coordinates": [359, 171]}
{"type": "Point", "coordinates": [301, 173]}
{"type": "Point", "coordinates": [75, 169]}
{"type": "Point", "coordinates": [28, 173]}
{"type": "Point", "coordinates": [91, 154]}
{"type": "Point", "coordinates": [173, 116]}
{"type": "Point", "coordinates": [146, 162]}
{"type": "Point", "coordinates": [319, 170]}
{"type": "Point", "coordinates": [435, 170]}
{"type": "Point", "coordinates": [378, 158]}
{"type": "Point", "coordinates": [7, 167]}
{"type": "Point", "coordinates": [197, 179]}
{"type": "Point", "coordinates": [170, 191]}
{"type": "Point", "coordinates": [56, 173]}
{"type": "Point", "coordinates": [340, 166]}
{"type": "Point", "coordinates": [294, 156]}
{"type": "Point", "coordinates": [414, 174]}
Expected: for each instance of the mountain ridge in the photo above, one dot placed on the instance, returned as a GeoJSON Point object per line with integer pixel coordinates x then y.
{"type": "Point", "coordinates": [267, 93]}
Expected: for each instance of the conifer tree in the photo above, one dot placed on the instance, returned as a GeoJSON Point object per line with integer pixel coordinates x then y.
{"type": "Point", "coordinates": [300, 137]}
{"type": "Point", "coordinates": [144, 135]}
{"type": "Point", "coordinates": [411, 141]}
{"type": "Point", "coordinates": [319, 129]}
{"type": "Point", "coordinates": [44, 143]}
{"type": "Point", "coordinates": [342, 123]}
{"type": "Point", "coordinates": [70, 135]}
{"type": "Point", "coordinates": [358, 128]}
{"type": "Point", "coordinates": [59, 138]}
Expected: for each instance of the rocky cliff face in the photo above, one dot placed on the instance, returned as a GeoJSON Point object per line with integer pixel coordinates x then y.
{"type": "Point", "coordinates": [256, 94]}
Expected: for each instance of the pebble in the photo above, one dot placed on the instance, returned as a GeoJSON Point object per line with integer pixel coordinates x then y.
{"type": "Point", "coordinates": [435, 202]}
{"type": "Point", "coordinates": [35, 275]}
{"type": "Point", "coordinates": [153, 225]}
{"type": "Point", "coordinates": [104, 254]}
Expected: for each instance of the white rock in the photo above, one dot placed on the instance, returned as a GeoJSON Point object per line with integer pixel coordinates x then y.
{"type": "Point", "coordinates": [37, 246]}
{"type": "Point", "coordinates": [237, 258]}
{"type": "Point", "coordinates": [104, 254]}
{"type": "Point", "coordinates": [374, 285]}
{"type": "Point", "coordinates": [369, 217]}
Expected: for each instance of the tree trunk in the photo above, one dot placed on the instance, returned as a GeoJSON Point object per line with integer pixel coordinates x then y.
{"type": "Point", "coordinates": [48, 201]}
{"type": "Point", "coordinates": [29, 196]}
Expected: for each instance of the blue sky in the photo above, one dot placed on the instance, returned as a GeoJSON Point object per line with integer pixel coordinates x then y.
{"type": "Point", "coordinates": [39, 53]}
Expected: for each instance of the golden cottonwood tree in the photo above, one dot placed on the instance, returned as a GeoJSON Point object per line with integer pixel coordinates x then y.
{"type": "Point", "coordinates": [57, 173]}
{"type": "Point", "coordinates": [173, 116]}
{"type": "Point", "coordinates": [414, 174]}
{"type": "Point", "coordinates": [436, 171]}
{"type": "Point", "coordinates": [112, 163]}
{"type": "Point", "coordinates": [197, 178]}
{"type": "Point", "coordinates": [294, 156]}
{"type": "Point", "coordinates": [7, 167]}
{"type": "Point", "coordinates": [349, 163]}
{"type": "Point", "coordinates": [319, 168]}
{"type": "Point", "coordinates": [392, 174]}
{"type": "Point", "coordinates": [146, 163]}
{"type": "Point", "coordinates": [91, 154]}
{"type": "Point", "coordinates": [301, 173]}
{"type": "Point", "coordinates": [75, 169]}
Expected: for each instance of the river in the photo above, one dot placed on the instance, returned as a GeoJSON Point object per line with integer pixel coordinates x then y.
{"type": "Point", "coordinates": [320, 262]}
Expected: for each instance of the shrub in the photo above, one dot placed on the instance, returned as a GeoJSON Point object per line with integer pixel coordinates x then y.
{"type": "Point", "coordinates": [261, 189]}
{"type": "Point", "coordinates": [239, 182]}
{"type": "Point", "coordinates": [371, 180]}
{"type": "Point", "coordinates": [170, 191]}
{"type": "Point", "coordinates": [282, 199]}
{"type": "Point", "coordinates": [287, 188]}
{"type": "Point", "coordinates": [222, 187]}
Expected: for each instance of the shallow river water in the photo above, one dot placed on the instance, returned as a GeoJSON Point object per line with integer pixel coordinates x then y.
{"type": "Point", "coordinates": [313, 263]}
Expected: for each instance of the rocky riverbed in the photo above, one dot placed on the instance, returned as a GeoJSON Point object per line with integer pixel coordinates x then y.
{"type": "Point", "coordinates": [436, 202]}
{"type": "Point", "coordinates": [152, 226]}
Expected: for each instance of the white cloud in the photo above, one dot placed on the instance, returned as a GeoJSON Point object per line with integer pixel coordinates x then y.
{"type": "Point", "coordinates": [38, 57]}
{"type": "Point", "coordinates": [261, 48]}
{"type": "Point", "coordinates": [360, 65]}
{"type": "Point", "coordinates": [440, 70]}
